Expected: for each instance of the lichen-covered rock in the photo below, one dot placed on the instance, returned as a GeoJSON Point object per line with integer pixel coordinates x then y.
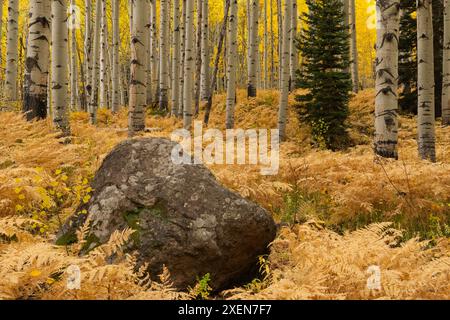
{"type": "Point", "coordinates": [183, 217]}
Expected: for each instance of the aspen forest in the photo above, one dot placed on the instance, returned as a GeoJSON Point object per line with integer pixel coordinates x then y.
{"type": "Point", "coordinates": [224, 149]}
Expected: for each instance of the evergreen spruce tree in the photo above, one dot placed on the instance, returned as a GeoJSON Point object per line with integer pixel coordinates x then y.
{"type": "Point", "coordinates": [324, 44]}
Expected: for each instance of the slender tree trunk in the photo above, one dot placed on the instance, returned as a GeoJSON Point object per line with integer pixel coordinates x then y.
{"type": "Point", "coordinates": [446, 67]}
{"type": "Point", "coordinates": [182, 57]}
{"type": "Point", "coordinates": [103, 58]}
{"type": "Point", "coordinates": [425, 81]}
{"type": "Point", "coordinates": [93, 101]}
{"type": "Point", "coordinates": [154, 54]}
{"type": "Point", "coordinates": [60, 61]}
{"type": "Point", "coordinates": [115, 56]}
{"type": "Point", "coordinates": [164, 55]}
{"type": "Point", "coordinates": [205, 76]}
{"type": "Point", "coordinates": [253, 48]}
{"type": "Point", "coordinates": [284, 90]}
{"type": "Point", "coordinates": [88, 50]}
{"type": "Point", "coordinates": [198, 60]}
{"type": "Point", "coordinates": [272, 49]}
{"type": "Point", "coordinates": [386, 100]}
{"type": "Point", "coordinates": [12, 51]}
{"type": "Point", "coordinates": [216, 62]}
{"type": "Point", "coordinates": [293, 62]}
{"type": "Point", "coordinates": [36, 64]}
{"type": "Point", "coordinates": [347, 21]}
{"type": "Point", "coordinates": [353, 46]}
{"type": "Point", "coordinates": [136, 120]}
{"type": "Point", "coordinates": [74, 105]}
{"type": "Point", "coordinates": [189, 65]}
{"type": "Point", "coordinates": [266, 48]}
{"type": "Point", "coordinates": [280, 40]}
{"type": "Point", "coordinates": [231, 63]}
{"type": "Point", "coordinates": [1, 31]}
{"type": "Point", "coordinates": [176, 59]}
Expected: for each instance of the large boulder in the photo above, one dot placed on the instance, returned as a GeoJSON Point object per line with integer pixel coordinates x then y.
{"type": "Point", "coordinates": [183, 217]}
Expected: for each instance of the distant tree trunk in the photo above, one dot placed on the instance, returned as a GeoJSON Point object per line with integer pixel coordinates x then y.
{"type": "Point", "coordinates": [60, 61]}
{"type": "Point", "coordinates": [216, 62]}
{"type": "Point", "coordinates": [136, 119]}
{"type": "Point", "coordinates": [93, 99]}
{"type": "Point", "coordinates": [164, 54]}
{"type": "Point", "coordinates": [446, 67]}
{"type": "Point", "coordinates": [188, 65]}
{"type": "Point", "coordinates": [266, 48]}
{"type": "Point", "coordinates": [280, 39]}
{"type": "Point", "coordinates": [205, 76]}
{"type": "Point", "coordinates": [12, 51]}
{"type": "Point", "coordinates": [103, 58]}
{"type": "Point", "coordinates": [88, 49]}
{"type": "Point", "coordinates": [115, 56]}
{"type": "Point", "coordinates": [284, 90]}
{"type": "Point", "coordinates": [272, 49]}
{"type": "Point", "coordinates": [253, 48]}
{"type": "Point", "coordinates": [293, 64]}
{"type": "Point", "coordinates": [198, 60]}
{"type": "Point", "coordinates": [176, 59]}
{"type": "Point", "coordinates": [353, 46]}
{"type": "Point", "coordinates": [231, 63]}
{"type": "Point", "coordinates": [347, 21]}
{"type": "Point", "coordinates": [1, 31]}
{"type": "Point", "coordinates": [154, 54]}
{"type": "Point", "coordinates": [36, 64]}
{"type": "Point", "coordinates": [74, 105]}
{"type": "Point", "coordinates": [386, 100]}
{"type": "Point", "coordinates": [182, 58]}
{"type": "Point", "coordinates": [425, 81]}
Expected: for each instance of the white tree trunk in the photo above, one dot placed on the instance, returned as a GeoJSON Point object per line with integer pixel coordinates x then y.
{"type": "Point", "coordinates": [231, 63]}
{"type": "Point", "coordinates": [12, 51]}
{"type": "Point", "coordinates": [74, 105]}
{"type": "Point", "coordinates": [205, 72]}
{"type": "Point", "coordinates": [88, 49]}
{"type": "Point", "coordinates": [293, 62]}
{"type": "Point", "coordinates": [1, 31]}
{"type": "Point", "coordinates": [425, 81]}
{"type": "Point", "coordinates": [136, 120]}
{"type": "Point", "coordinates": [182, 58]}
{"type": "Point", "coordinates": [353, 47]}
{"type": "Point", "coordinates": [164, 55]}
{"type": "Point", "coordinates": [176, 58]}
{"type": "Point", "coordinates": [266, 49]}
{"type": "Point", "coordinates": [284, 90]}
{"type": "Point", "coordinates": [386, 100]}
{"type": "Point", "coordinates": [37, 60]}
{"type": "Point", "coordinates": [115, 64]}
{"type": "Point", "coordinates": [93, 99]}
{"type": "Point", "coordinates": [189, 64]}
{"type": "Point", "coordinates": [253, 48]}
{"type": "Point", "coordinates": [446, 67]}
{"type": "Point", "coordinates": [103, 58]}
{"type": "Point", "coordinates": [59, 68]}
{"type": "Point", "coordinates": [154, 58]}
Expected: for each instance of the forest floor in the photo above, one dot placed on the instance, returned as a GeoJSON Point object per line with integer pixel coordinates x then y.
{"type": "Point", "coordinates": [342, 211]}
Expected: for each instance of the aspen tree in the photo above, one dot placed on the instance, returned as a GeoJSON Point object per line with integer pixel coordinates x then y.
{"type": "Point", "coordinates": [425, 81]}
{"type": "Point", "coordinates": [205, 72]}
{"type": "Point", "coordinates": [12, 51]}
{"type": "Point", "coordinates": [176, 59]}
{"type": "Point", "coordinates": [73, 58]}
{"type": "Point", "coordinates": [103, 58]}
{"type": "Point", "coordinates": [154, 53]}
{"type": "Point", "coordinates": [231, 64]}
{"type": "Point", "coordinates": [164, 54]}
{"type": "Point", "coordinates": [188, 66]}
{"type": "Point", "coordinates": [182, 58]}
{"type": "Point", "coordinates": [386, 99]}
{"type": "Point", "coordinates": [353, 47]}
{"type": "Point", "coordinates": [198, 60]}
{"type": "Point", "coordinates": [115, 56]}
{"type": "Point", "coordinates": [446, 67]}
{"type": "Point", "coordinates": [293, 64]}
{"type": "Point", "coordinates": [266, 48]}
{"type": "Point", "coordinates": [284, 90]}
{"type": "Point", "coordinates": [253, 48]}
{"type": "Point", "coordinates": [88, 48]}
{"type": "Point", "coordinates": [37, 60]}
{"type": "Point", "coordinates": [59, 64]}
{"type": "Point", "coordinates": [93, 99]}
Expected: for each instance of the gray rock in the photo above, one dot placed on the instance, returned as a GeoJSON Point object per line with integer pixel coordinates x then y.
{"type": "Point", "coordinates": [183, 217]}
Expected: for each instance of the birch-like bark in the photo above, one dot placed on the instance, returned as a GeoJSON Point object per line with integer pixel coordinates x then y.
{"type": "Point", "coordinates": [115, 56]}
{"type": "Point", "coordinates": [176, 59]}
{"type": "Point", "coordinates": [280, 39]}
{"type": "Point", "coordinates": [425, 81]}
{"type": "Point", "coordinates": [198, 59]}
{"type": "Point", "coordinates": [353, 47]}
{"type": "Point", "coordinates": [60, 59]}
{"type": "Point", "coordinates": [205, 71]}
{"type": "Point", "coordinates": [74, 105]}
{"type": "Point", "coordinates": [231, 63]}
{"type": "Point", "coordinates": [1, 31]}
{"type": "Point", "coordinates": [103, 95]}
{"type": "Point", "coordinates": [446, 66]}
{"type": "Point", "coordinates": [12, 51]}
{"type": "Point", "coordinates": [164, 55]}
{"type": "Point", "coordinates": [266, 49]}
{"type": "Point", "coordinates": [293, 62]}
{"type": "Point", "coordinates": [93, 99]}
{"type": "Point", "coordinates": [88, 49]}
{"type": "Point", "coordinates": [37, 60]}
{"type": "Point", "coordinates": [189, 65]}
{"type": "Point", "coordinates": [386, 84]}
{"type": "Point", "coordinates": [284, 90]}
{"type": "Point", "coordinates": [154, 58]}
{"type": "Point", "coordinates": [182, 58]}
{"type": "Point", "coordinates": [136, 118]}
{"type": "Point", "coordinates": [253, 48]}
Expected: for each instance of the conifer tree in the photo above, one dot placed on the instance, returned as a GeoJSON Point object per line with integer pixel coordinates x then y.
{"type": "Point", "coordinates": [324, 44]}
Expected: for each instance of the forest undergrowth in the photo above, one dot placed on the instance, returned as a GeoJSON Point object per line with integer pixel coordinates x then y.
{"type": "Point", "coordinates": [339, 212]}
